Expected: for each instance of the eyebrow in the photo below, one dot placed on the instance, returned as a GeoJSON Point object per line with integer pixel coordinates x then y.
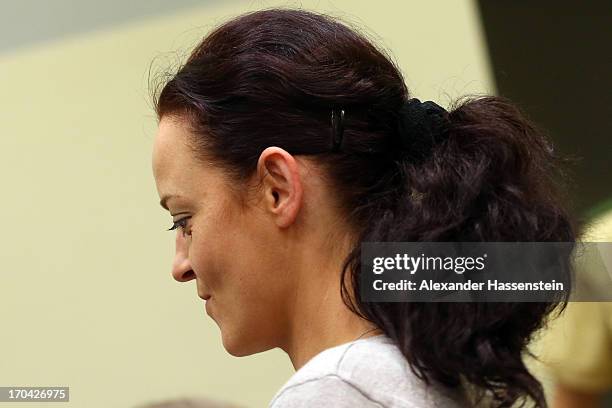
{"type": "Point", "coordinates": [164, 200]}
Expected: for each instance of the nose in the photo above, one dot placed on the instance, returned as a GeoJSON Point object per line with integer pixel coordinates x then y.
{"type": "Point", "coordinates": [181, 266]}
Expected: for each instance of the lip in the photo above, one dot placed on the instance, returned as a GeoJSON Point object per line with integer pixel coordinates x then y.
{"type": "Point", "coordinates": [208, 306]}
{"type": "Point", "coordinates": [204, 297]}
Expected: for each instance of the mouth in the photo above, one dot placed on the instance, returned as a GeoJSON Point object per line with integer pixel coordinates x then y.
{"type": "Point", "coordinates": [204, 297]}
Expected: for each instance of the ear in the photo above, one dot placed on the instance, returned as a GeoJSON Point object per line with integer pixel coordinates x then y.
{"type": "Point", "coordinates": [281, 185]}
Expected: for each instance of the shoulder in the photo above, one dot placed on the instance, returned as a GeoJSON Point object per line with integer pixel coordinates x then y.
{"type": "Point", "coordinates": [370, 372]}
{"type": "Point", "coordinates": [327, 390]}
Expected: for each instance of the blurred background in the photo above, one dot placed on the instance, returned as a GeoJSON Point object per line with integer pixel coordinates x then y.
{"type": "Point", "coordinates": [86, 296]}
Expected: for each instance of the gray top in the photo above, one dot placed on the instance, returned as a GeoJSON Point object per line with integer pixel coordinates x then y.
{"type": "Point", "coordinates": [369, 372]}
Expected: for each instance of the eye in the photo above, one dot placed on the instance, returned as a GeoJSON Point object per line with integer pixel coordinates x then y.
{"type": "Point", "coordinates": [182, 224]}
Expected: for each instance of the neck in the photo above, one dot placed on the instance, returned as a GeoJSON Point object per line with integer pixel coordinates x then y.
{"type": "Point", "coordinates": [320, 319]}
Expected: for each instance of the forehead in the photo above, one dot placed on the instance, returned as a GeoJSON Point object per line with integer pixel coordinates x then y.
{"type": "Point", "coordinates": [174, 162]}
{"type": "Point", "coordinates": [170, 142]}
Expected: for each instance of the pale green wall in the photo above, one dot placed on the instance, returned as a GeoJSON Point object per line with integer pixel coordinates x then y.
{"type": "Point", "coordinates": [86, 296]}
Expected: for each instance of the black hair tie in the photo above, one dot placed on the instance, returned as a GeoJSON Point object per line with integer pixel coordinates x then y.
{"type": "Point", "coordinates": [422, 125]}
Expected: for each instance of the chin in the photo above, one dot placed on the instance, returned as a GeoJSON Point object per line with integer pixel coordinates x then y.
{"type": "Point", "coordinates": [243, 345]}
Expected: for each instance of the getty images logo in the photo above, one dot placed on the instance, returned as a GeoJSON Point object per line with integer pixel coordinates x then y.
{"type": "Point", "coordinates": [412, 264]}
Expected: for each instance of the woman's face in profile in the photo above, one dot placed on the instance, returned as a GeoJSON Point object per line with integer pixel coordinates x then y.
{"type": "Point", "coordinates": [230, 250]}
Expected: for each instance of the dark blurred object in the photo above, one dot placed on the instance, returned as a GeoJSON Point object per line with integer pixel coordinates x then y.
{"type": "Point", "coordinates": [553, 59]}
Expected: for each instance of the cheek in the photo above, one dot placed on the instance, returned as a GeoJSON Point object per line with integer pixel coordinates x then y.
{"type": "Point", "coordinates": [239, 264]}
{"type": "Point", "coordinates": [221, 251]}
{"type": "Point", "coordinates": [238, 257]}
{"type": "Point", "coordinates": [255, 270]}
{"type": "Point", "coordinates": [204, 255]}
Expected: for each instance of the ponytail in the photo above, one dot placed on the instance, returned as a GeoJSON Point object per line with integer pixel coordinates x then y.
{"type": "Point", "coordinates": [491, 178]}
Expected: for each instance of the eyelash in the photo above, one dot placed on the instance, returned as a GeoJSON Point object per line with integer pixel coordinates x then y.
{"type": "Point", "coordinates": [182, 224]}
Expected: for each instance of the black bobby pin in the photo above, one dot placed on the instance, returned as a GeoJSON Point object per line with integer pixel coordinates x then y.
{"type": "Point", "coordinates": [337, 126]}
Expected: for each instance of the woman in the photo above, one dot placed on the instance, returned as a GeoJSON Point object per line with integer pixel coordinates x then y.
{"type": "Point", "coordinates": [285, 141]}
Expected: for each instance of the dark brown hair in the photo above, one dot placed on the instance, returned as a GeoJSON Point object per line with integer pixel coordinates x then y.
{"type": "Point", "coordinates": [272, 77]}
